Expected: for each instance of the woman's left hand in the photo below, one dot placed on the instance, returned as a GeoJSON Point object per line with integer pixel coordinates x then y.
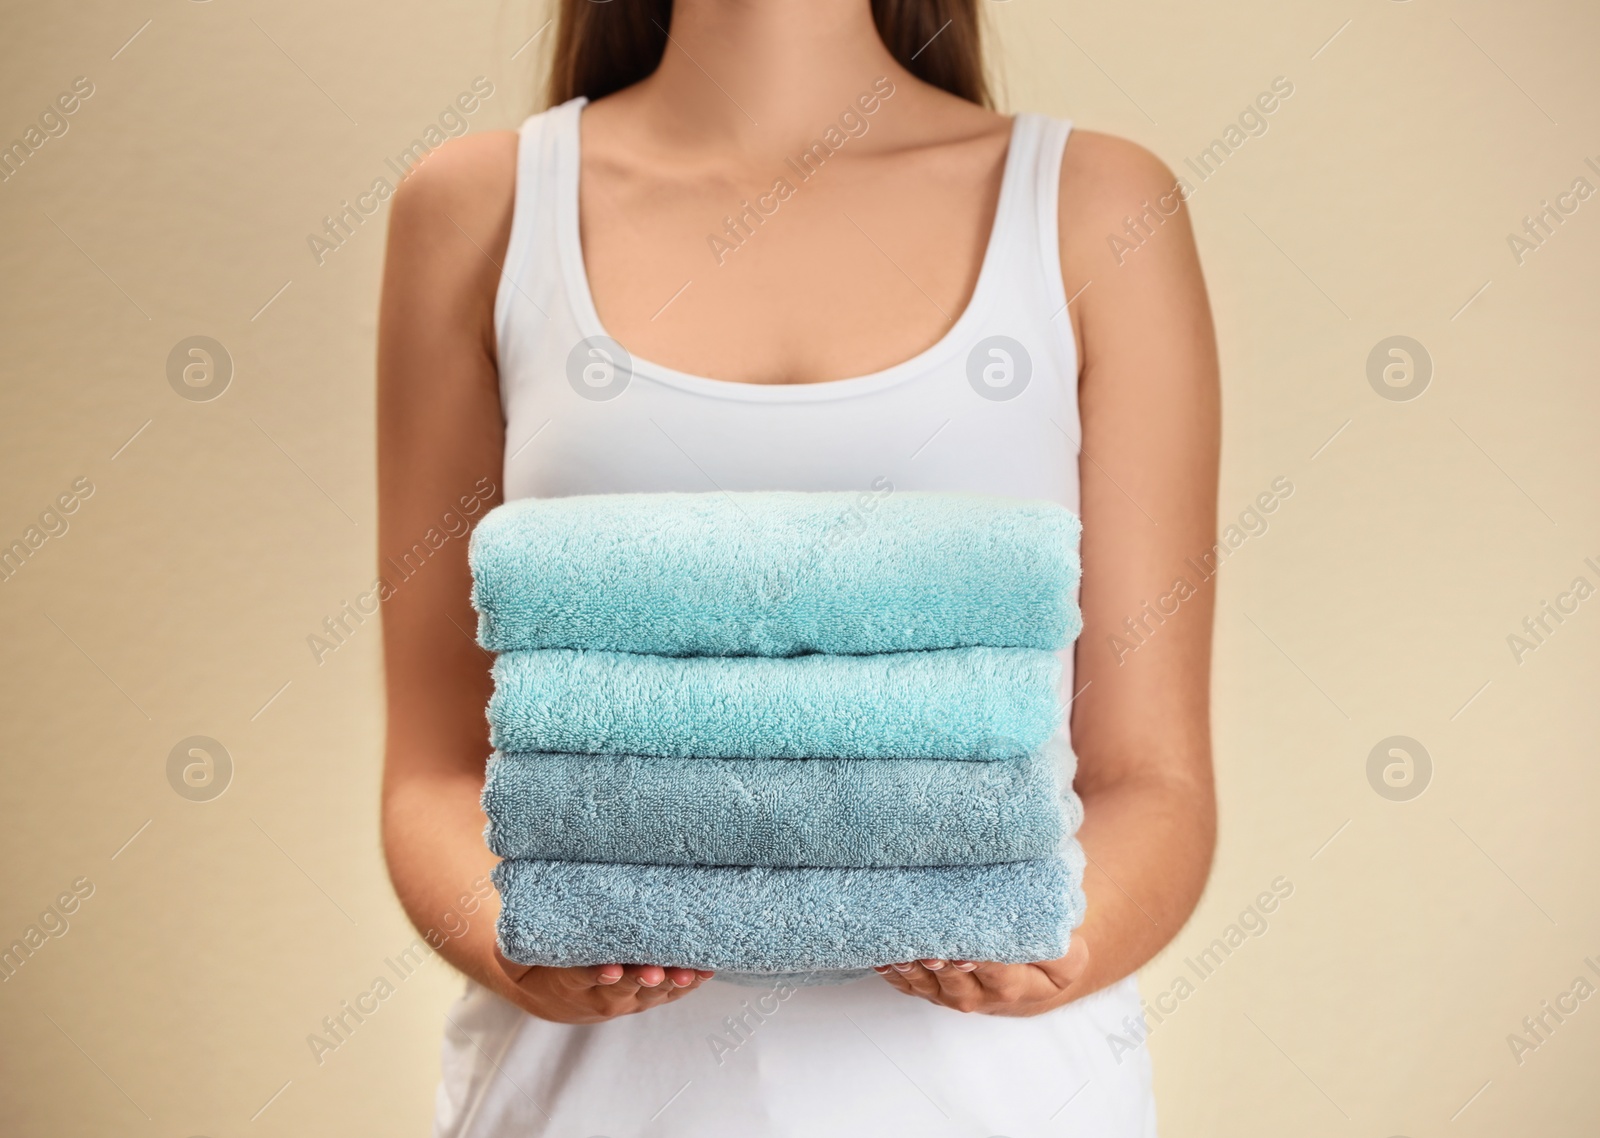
{"type": "Point", "coordinates": [993, 989]}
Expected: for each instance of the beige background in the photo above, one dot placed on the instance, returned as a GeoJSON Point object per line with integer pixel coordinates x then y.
{"type": "Point", "coordinates": [1419, 933]}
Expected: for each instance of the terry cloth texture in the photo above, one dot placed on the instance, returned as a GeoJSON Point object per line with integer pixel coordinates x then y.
{"type": "Point", "coordinates": [960, 703]}
{"type": "Point", "coordinates": [776, 573]}
{"type": "Point", "coordinates": [566, 914]}
{"type": "Point", "coordinates": [760, 812]}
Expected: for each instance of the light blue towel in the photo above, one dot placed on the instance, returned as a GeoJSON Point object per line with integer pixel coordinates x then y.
{"type": "Point", "coordinates": [776, 573]}
{"type": "Point", "coordinates": [567, 914]}
{"type": "Point", "coordinates": [959, 703]}
{"type": "Point", "coordinates": [765, 812]}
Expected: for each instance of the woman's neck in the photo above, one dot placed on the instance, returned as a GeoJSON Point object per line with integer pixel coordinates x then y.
{"type": "Point", "coordinates": [762, 75]}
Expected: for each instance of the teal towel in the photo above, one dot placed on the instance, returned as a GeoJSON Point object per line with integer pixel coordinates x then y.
{"type": "Point", "coordinates": [776, 573]}
{"type": "Point", "coordinates": [568, 914]}
{"type": "Point", "coordinates": [959, 703]}
{"type": "Point", "coordinates": [765, 812]}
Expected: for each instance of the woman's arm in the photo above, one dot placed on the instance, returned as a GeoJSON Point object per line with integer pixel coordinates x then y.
{"type": "Point", "coordinates": [440, 448]}
{"type": "Point", "coordinates": [1148, 394]}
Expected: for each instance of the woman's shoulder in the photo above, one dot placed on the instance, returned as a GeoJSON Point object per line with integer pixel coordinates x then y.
{"type": "Point", "coordinates": [450, 220]}
{"type": "Point", "coordinates": [1109, 184]}
{"type": "Point", "coordinates": [1120, 205]}
{"type": "Point", "coordinates": [1100, 170]}
{"type": "Point", "coordinates": [474, 173]}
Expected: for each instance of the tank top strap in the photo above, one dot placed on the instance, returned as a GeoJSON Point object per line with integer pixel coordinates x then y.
{"type": "Point", "coordinates": [1033, 229]}
{"type": "Point", "coordinates": [531, 277]}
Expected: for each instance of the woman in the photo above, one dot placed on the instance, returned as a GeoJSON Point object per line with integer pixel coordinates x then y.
{"type": "Point", "coordinates": [786, 245]}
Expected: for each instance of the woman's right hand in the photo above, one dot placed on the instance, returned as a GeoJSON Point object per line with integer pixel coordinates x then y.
{"type": "Point", "coordinates": [596, 993]}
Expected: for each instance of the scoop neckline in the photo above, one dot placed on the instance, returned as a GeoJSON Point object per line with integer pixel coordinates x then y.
{"type": "Point", "coordinates": [576, 273]}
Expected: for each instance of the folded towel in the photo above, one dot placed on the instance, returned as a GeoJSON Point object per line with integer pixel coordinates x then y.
{"type": "Point", "coordinates": [763, 812]}
{"type": "Point", "coordinates": [786, 920]}
{"type": "Point", "coordinates": [958, 703]}
{"type": "Point", "coordinates": [776, 574]}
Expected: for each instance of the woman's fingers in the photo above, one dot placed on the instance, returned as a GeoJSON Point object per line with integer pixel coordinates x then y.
{"type": "Point", "coordinates": [1020, 985]}
{"type": "Point", "coordinates": [655, 995]}
{"type": "Point", "coordinates": [628, 978]}
{"type": "Point", "coordinates": [611, 977]}
{"type": "Point", "coordinates": [1070, 968]}
{"type": "Point", "coordinates": [516, 972]}
{"type": "Point", "coordinates": [941, 981]}
{"type": "Point", "coordinates": [959, 988]}
{"type": "Point", "coordinates": [632, 979]}
{"type": "Point", "coordinates": [1010, 983]}
{"type": "Point", "coordinates": [598, 992]}
{"type": "Point", "coordinates": [896, 979]}
{"type": "Point", "coordinates": [918, 979]}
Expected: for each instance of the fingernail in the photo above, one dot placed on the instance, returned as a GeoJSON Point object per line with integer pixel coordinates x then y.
{"type": "Point", "coordinates": [965, 967]}
{"type": "Point", "coordinates": [902, 968]}
{"type": "Point", "coordinates": [933, 965]}
{"type": "Point", "coordinates": [880, 968]}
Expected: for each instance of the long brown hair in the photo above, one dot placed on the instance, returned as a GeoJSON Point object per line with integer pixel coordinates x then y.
{"type": "Point", "coordinates": [604, 47]}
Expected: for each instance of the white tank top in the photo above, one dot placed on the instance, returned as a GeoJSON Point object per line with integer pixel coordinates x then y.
{"type": "Point", "coordinates": [992, 407]}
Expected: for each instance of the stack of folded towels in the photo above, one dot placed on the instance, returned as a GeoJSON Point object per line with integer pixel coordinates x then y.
{"type": "Point", "coordinates": [779, 732]}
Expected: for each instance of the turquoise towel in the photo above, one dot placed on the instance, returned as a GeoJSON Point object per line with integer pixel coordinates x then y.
{"type": "Point", "coordinates": [776, 574]}
{"type": "Point", "coordinates": [764, 812]}
{"type": "Point", "coordinates": [959, 703]}
{"type": "Point", "coordinates": [786, 920]}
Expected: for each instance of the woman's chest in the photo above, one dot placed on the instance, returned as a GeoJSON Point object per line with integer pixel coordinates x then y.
{"type": "Point", "coordinates": [818, 272]}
